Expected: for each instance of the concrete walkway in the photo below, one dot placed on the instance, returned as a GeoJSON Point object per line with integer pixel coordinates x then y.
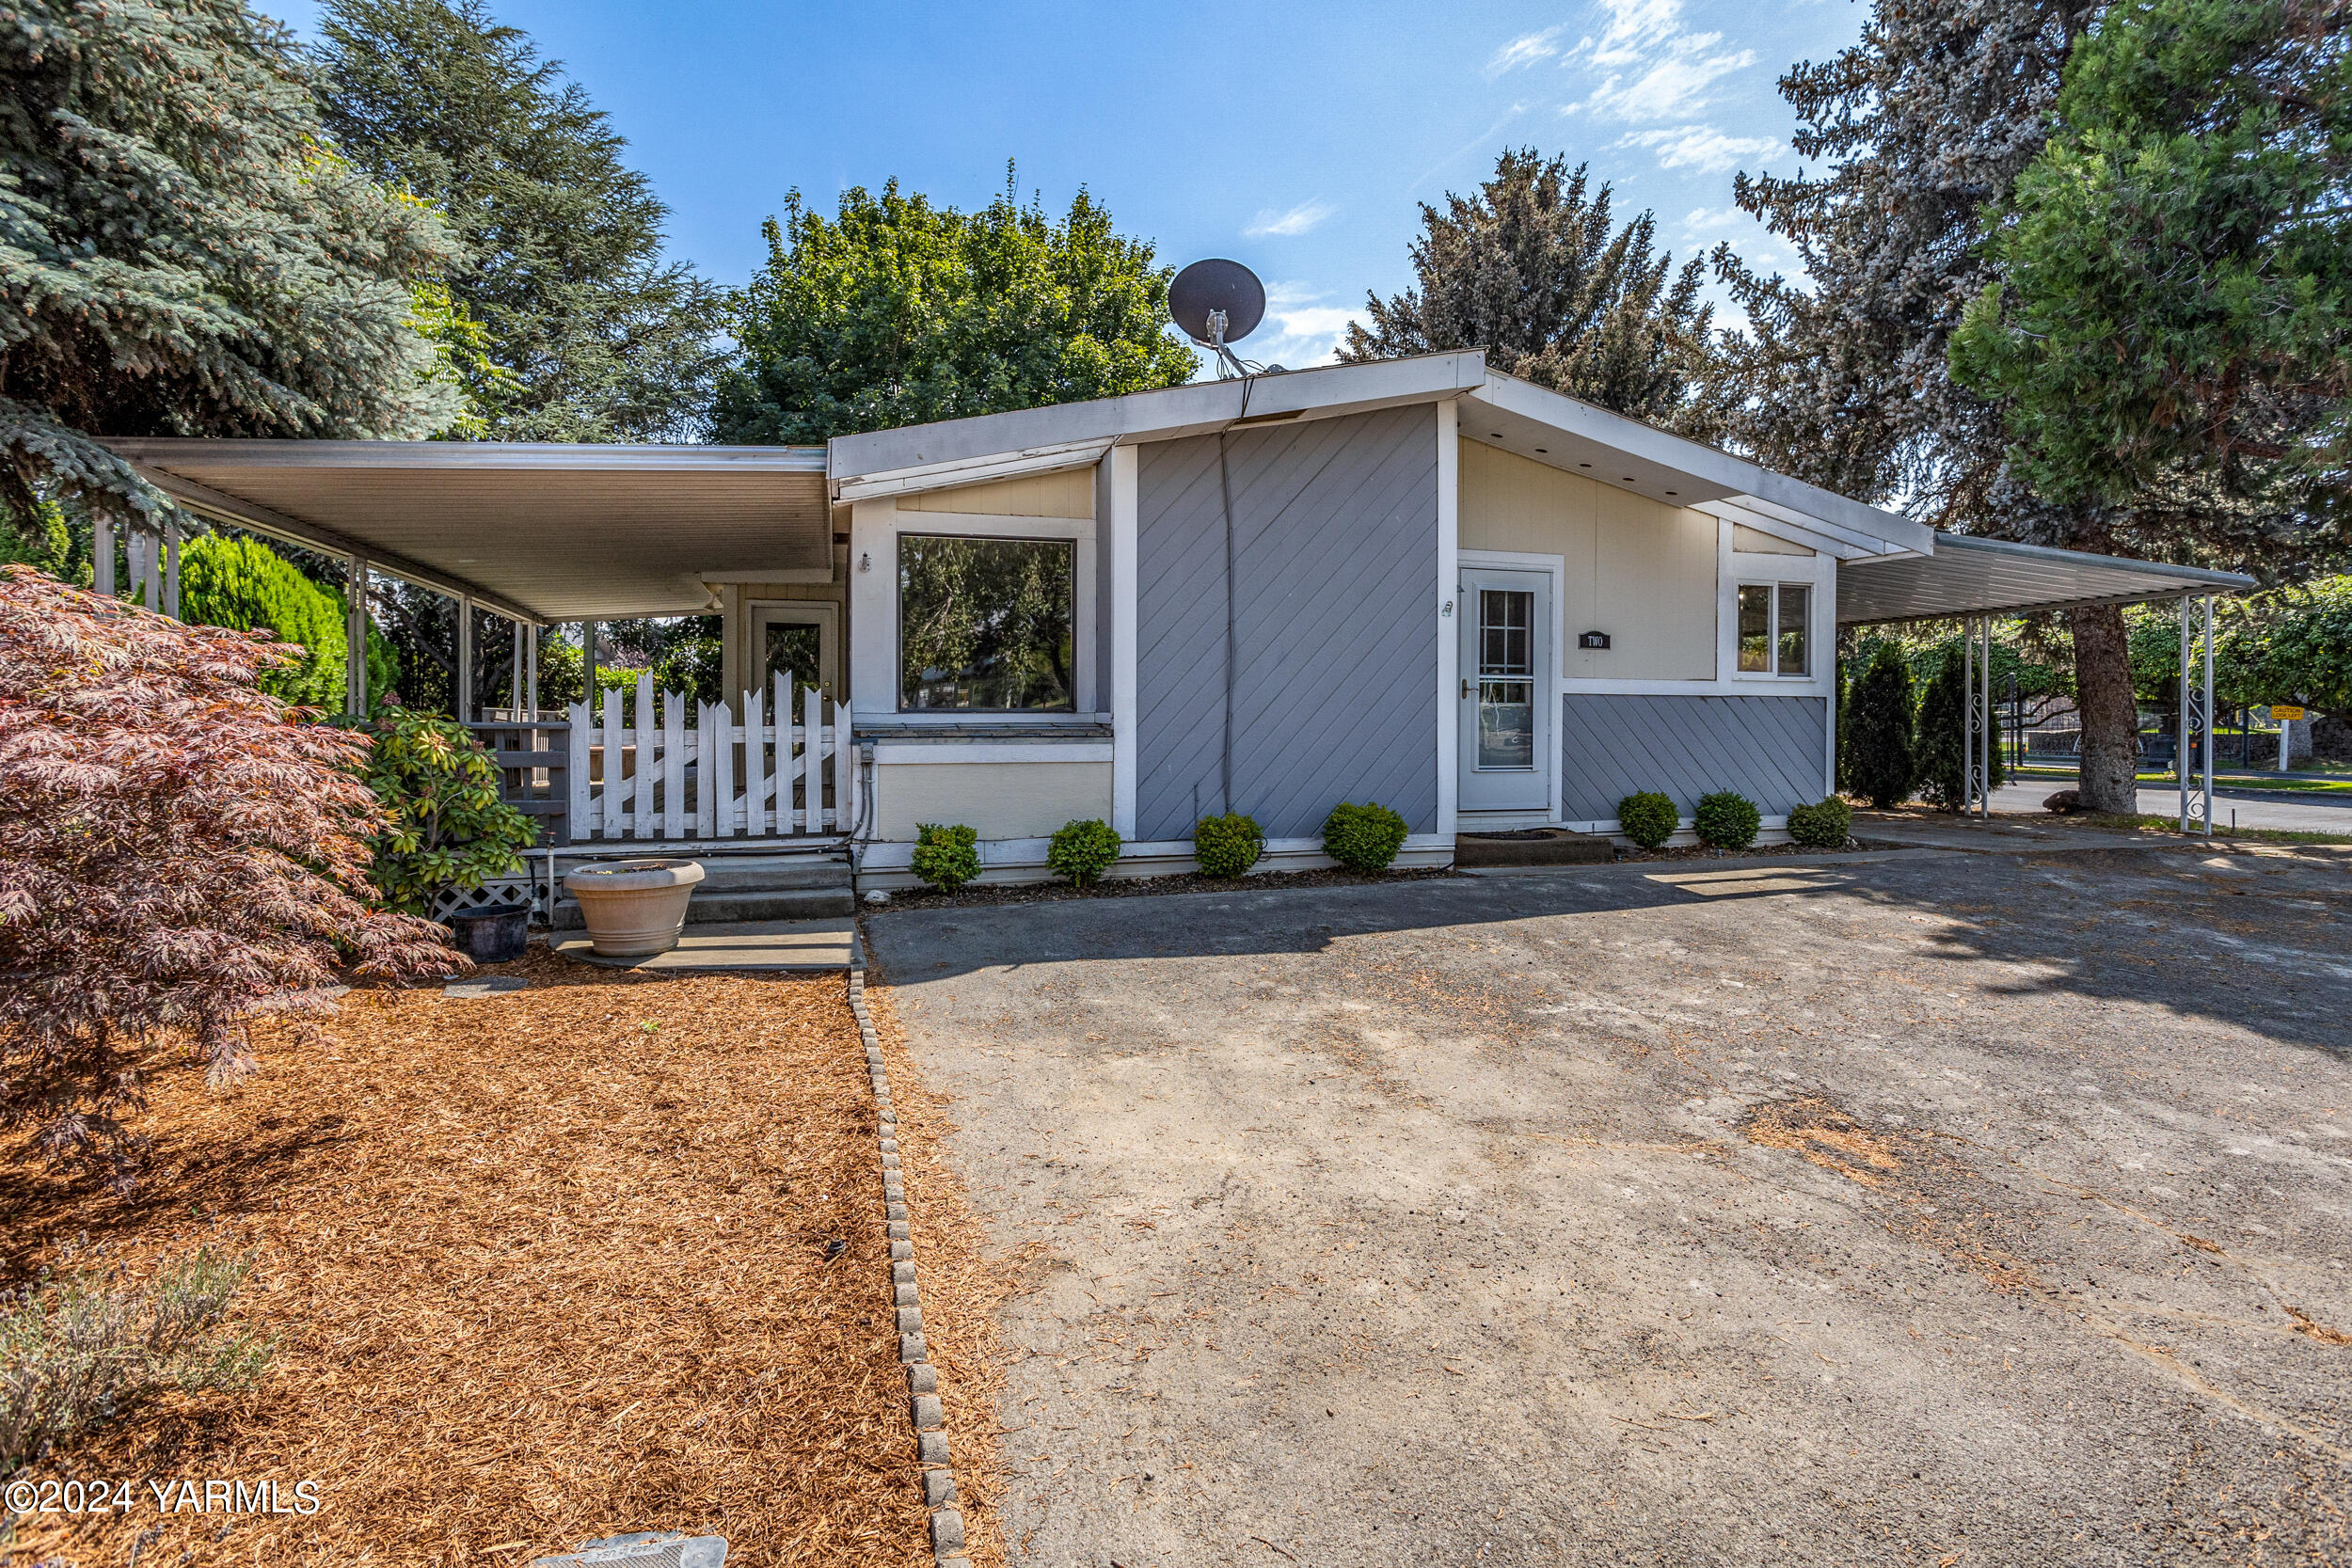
{"type": "Point", "coordinates": [1922, 1208]}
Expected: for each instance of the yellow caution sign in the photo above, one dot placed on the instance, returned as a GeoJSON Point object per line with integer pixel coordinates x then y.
{"type": "Point", "coordinates": [2282, 712]}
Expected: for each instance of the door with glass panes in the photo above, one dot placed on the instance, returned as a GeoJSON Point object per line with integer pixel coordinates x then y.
{"type": "Point", "coordinates": [1506, 691]}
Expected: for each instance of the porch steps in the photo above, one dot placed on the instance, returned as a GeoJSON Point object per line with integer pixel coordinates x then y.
{"type": "Point", "coordinates": [749, 887]}
{"type": "Point", "coordinates": [1532, 847]}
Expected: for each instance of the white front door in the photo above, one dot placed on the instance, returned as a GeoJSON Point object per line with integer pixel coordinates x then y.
{"type": "Point", "coordinates": [1506, 691]}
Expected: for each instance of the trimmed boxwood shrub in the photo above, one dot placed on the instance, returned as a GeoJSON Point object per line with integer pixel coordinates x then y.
{"type": "Point", "coordinates": [947, 855]}
{"type": "Point", "coordinates": [1227, 845]}
{"type": "Point", "coordinates": [1081, 852]}
{"type": "Point", "coordinates": [1650, 818]}
{"type": "Point", "coordinates": [1725, 819]}
{"type": "Point", "coordinates": [1364, 838]}
{"type": "Point", "coordinates": [1825, 825]}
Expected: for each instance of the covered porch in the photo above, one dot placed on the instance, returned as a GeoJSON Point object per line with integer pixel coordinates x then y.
{"type": "Point", "coordinates": [522, 538]}
{"type": "Point", "coordinates": [1979, 582]}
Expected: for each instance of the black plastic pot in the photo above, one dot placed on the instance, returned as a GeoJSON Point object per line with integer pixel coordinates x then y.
{"type": "Point", "coordinates": [493, 936]}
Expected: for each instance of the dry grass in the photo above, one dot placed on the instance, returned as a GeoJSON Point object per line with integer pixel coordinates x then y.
{"type": "Point", "coordinates": [1826, 1135]}
{"type": "Point", "coordinates": [962, 1288]}
{"type": "Point", "coordinates": [546, 1266]}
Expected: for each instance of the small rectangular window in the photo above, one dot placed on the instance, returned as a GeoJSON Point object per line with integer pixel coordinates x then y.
{"type": "Point", "coordinates": [1794, 599]}
{"type": "Point", "coordinates": [1755, 628]}
{"type": "Point", "coordinates": [986, 623]}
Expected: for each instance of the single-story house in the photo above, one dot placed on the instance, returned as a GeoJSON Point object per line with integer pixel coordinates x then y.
{"type": "Point", "coordinates": [1421, 582]}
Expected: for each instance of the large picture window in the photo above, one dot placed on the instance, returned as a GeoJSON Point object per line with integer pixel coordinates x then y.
{"type": "Point", "coordinates": [986, 623]}
{"type": "Point", "coordinates": [1774, 624]}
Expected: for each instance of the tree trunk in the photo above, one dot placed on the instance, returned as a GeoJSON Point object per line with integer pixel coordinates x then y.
{"type": "Point", "coordinates": [2110, 713]}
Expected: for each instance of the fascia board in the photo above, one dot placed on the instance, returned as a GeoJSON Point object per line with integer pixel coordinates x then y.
{"type": "Point", "coordinates": [1841, 543]}
{"type": "Point", "coordinates": [977, 471]}
{"type": "Point", "coordinates": [1731, 476]}
{"type": "Point", "coordinates": [1194, 408]}
{"type": "Point", "coordinates": [175, 452]}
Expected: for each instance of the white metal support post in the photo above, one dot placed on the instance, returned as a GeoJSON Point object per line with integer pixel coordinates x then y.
{"type": "Point", "coordinates": [102, 552]}
{"type": "Point", "coordinates": [530, 673]}
{"type": "Point", "coordinates": [1972, 788]}
{"type": "Point", "coordinates": [1988, 732]}
{"type": "Point", "coordinates": [2196, 725]}
{"type": "Point", "coordinates": [171, 569]}
{"type": "Point", "coordinates": [355, 637]}
{"type": "Point", "coordinates": [462, 700]}
{"type": "Point", "coordinates": [588, 667]}
{"type": "Point", "coordinates": [514, 676]}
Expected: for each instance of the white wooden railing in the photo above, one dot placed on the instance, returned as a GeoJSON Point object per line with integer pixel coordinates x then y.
{"type": "Point", "coordinates": [764, 777]}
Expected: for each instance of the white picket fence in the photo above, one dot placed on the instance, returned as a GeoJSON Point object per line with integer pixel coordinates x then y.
{"type": "Point", "coordinates": [743, 783]}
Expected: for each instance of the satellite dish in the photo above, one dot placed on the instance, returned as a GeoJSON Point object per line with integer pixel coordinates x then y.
{"type": "Point", "coordinates": [1219, 303]}
{"type": "Point", "coordinates": [1216, 302]}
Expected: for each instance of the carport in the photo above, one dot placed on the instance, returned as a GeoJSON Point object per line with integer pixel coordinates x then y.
{"type": "Point", "coordinates": [1977, 581]}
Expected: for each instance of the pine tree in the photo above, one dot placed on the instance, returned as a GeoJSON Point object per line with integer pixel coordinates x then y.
{"type": "Point", "coordinates": [895, 312]}
{"type": "Point", "coordinates": [1881, 757]}
{"type": "Point", "coordinates": [597, 337]}
{"type": "Point", "coordinates": [1532, 270]}
{"type": "Point", "coordinates": [184, 258]}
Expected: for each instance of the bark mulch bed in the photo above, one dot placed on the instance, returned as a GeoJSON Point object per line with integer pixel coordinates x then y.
{"type": "Point", "coordinates": [546, 1266]}
{"type": "Point", "coordinates": [973, 894]}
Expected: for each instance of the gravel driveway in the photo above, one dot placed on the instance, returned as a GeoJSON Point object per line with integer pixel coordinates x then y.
{"type": "Point", "coordinates": [1932, 1208]}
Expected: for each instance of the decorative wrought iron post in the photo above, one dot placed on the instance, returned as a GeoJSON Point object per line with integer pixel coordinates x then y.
{"type": "Point", "coordinates": [2196, 725]}
{"type": "Point", "coordinates": [1972, 785]}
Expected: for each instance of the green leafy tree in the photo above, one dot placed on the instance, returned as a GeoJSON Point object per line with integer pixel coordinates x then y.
{"type": "Point", "coordinates": [1532, 269]}
{"type": "Point", "coordinates": [183, 256]}
{"type": "Point", "coordinates": [895, 312]}
{"type": "Point", "coordinates": [2296, 646]}
{"type": "Point", "coordinates": [447, 827]}
{"type": "Point", "coordinates": [1881, 758]}
{"type": "Point", "coordinates": [2166, 334]}
{"type": "Point", "coordinates": [2175, 274]}
{"type": "Point", "coordinates": [601, 339]}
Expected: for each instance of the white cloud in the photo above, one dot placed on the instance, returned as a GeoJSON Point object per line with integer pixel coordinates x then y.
{"type": "Point", "coordinates": [1525, 50]}
{"type": "Point", "coordinates": [1296, 221]}
{"type": "Point", "coordinates": [1653, 69]}
{"type": "Point", "coordinates": [1704, 220]}
{"type": "Point", "coordinates": [1300, 329]}
{"type": "Point", "coordinates": [1701, 146]}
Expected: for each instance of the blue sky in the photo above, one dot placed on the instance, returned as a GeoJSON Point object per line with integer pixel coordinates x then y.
{"type": "Point", "coordinates": [1295, 139]}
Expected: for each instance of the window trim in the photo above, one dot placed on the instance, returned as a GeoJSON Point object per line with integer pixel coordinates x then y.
{"type": "Point", "coordinates": [1076, 532]}
{"type": "Point", "coordinates": [822, 613]}
{"type": "Point", "coordinates": [1773, 588]}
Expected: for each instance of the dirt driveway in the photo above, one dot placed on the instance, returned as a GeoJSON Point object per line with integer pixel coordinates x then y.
{"type": "Point", "coordinates": [1936, 1208]}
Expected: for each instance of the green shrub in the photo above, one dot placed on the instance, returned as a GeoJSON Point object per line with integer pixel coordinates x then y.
{"type": "Point", "coordinates": [1081, 852]}
{"type": "Point", "coordinates": [1725, 819]}
{"type": "Point", "coordinates": [1650, 818]}
{"type": "Point", "coordinates": [1881, 757]}
{"type": "Point", "coordinates": [76, 1352]}
{"type": "Point", "coordinates": [1227, 845]}
{"type": "Point", "coordinates": [1364, 838]}
{"type": "Point", "coordinates": [947, 856]}
{"type": "Point", "coordinates": [448, 828]}
{"type": "Point", "coordinates": [243, 585]}
{"type": "Point", "coordinates": [694, 668]}
{"type": "Point", "coordinates": [1825, 825]}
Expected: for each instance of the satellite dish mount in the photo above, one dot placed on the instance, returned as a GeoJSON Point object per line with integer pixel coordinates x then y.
{"type": "Point", "coordinates": [1217, 302]}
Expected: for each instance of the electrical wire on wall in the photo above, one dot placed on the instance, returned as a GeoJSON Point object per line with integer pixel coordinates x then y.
{"type": "Point", "coordinates": [1233, 634]}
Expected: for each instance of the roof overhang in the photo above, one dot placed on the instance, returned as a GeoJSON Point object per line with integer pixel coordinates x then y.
{"type": "Point", "coordinates": [1576, 437]}
{"type": "Point", "coordinates": [537, 532]}
{"type": "Point", "coordinates": [1076, 435]}
{"type": "Point", "coordinates": [1968, 576]}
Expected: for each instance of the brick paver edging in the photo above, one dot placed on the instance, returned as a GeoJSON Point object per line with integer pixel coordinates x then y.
{"type": "Point", "coordinates": [923, 1406]}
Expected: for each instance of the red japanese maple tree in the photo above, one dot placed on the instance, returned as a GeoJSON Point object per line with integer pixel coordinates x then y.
{"type": "Point", "coordinates": [176, 846]}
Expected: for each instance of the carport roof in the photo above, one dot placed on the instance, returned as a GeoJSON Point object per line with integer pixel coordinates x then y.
{"type": "Point", "coordinates": [1968, 576]}
{"type": "Point", "coordinates": [542, 532]}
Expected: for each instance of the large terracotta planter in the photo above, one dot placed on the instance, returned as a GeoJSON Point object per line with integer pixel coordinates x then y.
{"type": "Point", "coordinates": [633, 909]}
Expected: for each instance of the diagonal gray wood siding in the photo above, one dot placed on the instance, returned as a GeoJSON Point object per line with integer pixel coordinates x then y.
{"type": "Point", "coordinates": [1773, 750]}
{"type": "Point", "coordinates": [1336, 562]}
